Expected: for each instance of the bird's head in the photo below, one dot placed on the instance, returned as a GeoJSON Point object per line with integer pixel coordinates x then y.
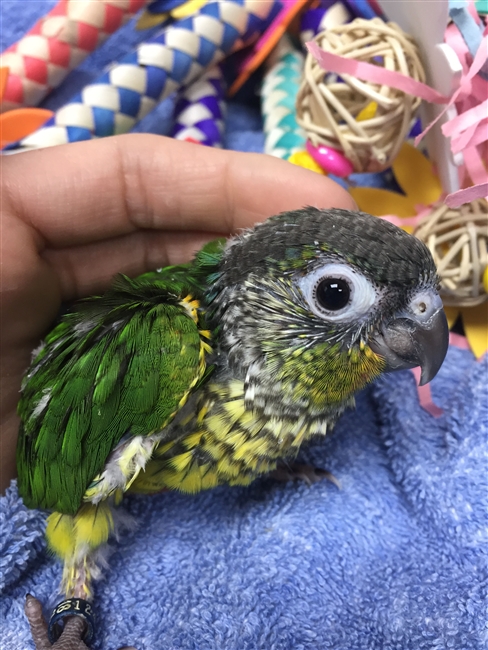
{"type": "Point", "coordinates": [314, 304]}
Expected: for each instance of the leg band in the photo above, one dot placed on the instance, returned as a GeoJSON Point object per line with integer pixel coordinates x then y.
{"type": "Point", "coordinates": [71, 607]}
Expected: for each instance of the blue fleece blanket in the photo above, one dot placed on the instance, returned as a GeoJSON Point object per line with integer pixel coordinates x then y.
{"type": "Point", "coordinates": [395, 560]}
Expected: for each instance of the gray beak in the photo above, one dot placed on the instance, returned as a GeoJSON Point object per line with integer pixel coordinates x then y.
{"type": "Point", "coordinates": [407, 342]}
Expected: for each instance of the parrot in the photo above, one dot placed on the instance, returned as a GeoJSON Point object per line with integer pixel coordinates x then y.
{"type": "Point", "coordinates": [213, 372]}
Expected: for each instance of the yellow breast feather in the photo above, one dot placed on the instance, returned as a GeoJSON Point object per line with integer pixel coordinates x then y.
{"type": "Point", "coordinates": [224, 443]}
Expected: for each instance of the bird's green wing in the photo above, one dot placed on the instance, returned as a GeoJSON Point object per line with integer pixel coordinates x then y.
{"type": "Point", "coordinates": [121, 365]}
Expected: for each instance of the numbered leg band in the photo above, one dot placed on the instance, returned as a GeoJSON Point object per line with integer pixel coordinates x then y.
{"type": "Point", "coordinates": [71, 607]}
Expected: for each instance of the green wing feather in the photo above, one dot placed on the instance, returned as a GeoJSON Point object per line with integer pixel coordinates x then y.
{"type": "Point", "coordinates": [120, 365]}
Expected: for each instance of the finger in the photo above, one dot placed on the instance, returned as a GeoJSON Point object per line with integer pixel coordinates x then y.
{"type": "Point", "coordinates": [90, 268]}
{"type": "Point", "coordinates": [90, 191]}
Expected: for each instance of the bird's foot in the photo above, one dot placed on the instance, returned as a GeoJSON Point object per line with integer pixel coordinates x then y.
{"type": "Point", "coordinates": [71, 637]}
{"type": "Point", "coordinates": [303, 472]}
{"type": "Point", "coordinates": [68, 635]}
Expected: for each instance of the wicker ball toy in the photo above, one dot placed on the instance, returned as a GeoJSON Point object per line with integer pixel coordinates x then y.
{"type": "Point", "coordinates": [458, 241]}
{"type": "Point", "coordinates": [366, 122]}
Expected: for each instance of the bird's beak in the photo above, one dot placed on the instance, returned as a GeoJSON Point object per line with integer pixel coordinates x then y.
{"type": "Point", "coordinates": [407, 342]}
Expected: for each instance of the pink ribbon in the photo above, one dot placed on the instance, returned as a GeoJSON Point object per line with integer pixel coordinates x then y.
{"type": "Point", "coordinates": [424, 392]}
{"type": "Point", "coordinates": [425, 396]}
{"type": "Point", "coordinates": [458, 341]}
{"type": "Point", "coordinates": [456, 199]}
{"type": "Point", "coordinates": [469, 129]}
{"type": "Point", "coordinates": [474, 166]}
{"type": "Point", "coordinates": [471, 117]}
{"type": "Point", "coordinates": [374, 74]}
{"type": "Point", "coordinates": [464, 87]}
{"type": "Point", "coordinates": [472, 137]}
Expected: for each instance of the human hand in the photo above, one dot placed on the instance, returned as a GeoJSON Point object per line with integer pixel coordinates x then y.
{"type": "Point", "coordinates": [74, 216]}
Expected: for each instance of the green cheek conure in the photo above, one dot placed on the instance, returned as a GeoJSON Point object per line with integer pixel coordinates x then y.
{"type": "Point", "coordinates": [210, 372]}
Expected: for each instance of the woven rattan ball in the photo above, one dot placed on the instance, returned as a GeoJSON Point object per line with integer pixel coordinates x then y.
{"type": "Point", "coordinates": [458, 241]}
{"type": "Point", "coordinates": [327, 106]}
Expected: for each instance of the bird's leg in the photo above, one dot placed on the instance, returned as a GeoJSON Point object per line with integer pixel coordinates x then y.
{"type": "Point", "coordinates": [73, 618]}
{"type": "Point", "coordinates": [78, 541]}
{"type": "Point", "coordinates": [303, 472]}
{"type": "Point", "coordinates": [72, 625]}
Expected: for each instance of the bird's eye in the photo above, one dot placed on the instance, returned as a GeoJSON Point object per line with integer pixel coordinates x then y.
{"type": "Point", "coordinates": [337, 292]}
{"type": "Point", "coordinates": [332, 293]}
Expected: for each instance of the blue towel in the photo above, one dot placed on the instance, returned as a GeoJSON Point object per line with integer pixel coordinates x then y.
{"type": "Point", "coordinates": [394, 560]}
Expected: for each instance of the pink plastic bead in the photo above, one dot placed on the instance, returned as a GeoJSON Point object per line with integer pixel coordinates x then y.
{"type": "Point", "coordinates": [330, 160]}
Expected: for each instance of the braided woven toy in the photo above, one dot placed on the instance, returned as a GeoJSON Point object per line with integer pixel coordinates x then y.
{"type": "Point", "coordinates": [199, 111]}
{"type": "Point", "coordinates": [57, 44]}
{"type": "Point", "coordinates": [174, 58]}
{"type": "Point", "coordinates": [283, 136]}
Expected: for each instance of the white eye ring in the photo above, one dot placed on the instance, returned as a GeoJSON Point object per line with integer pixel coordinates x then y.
{"type": "Point", "coordinates": [362, 294]}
